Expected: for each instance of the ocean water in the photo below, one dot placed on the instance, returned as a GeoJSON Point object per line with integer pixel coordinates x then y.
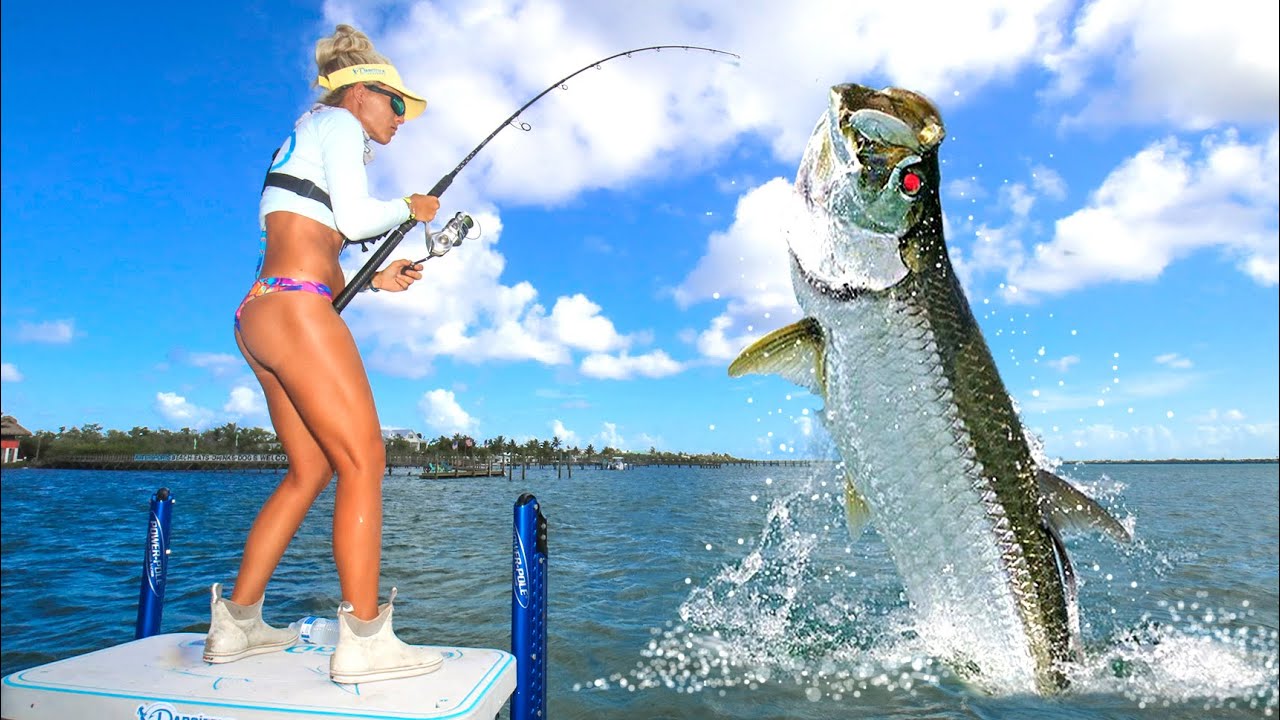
{"type": "Point", "coordinates": [687, 593]}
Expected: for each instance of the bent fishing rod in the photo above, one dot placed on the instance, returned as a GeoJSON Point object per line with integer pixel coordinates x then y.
{"type": "Point", "coordinates": [388, 243]}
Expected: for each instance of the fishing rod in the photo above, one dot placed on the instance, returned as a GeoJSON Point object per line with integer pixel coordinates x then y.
{"type": "Point", "coordinates": [388, 242]}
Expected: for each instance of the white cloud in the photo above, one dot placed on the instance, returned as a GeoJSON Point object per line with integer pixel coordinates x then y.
{"type": "Point", "coordinates": [463, 310]}
{"type": "Point", "coordinates": [636, 116]}
{"type": "Point", "coordinates": [746, 266]}
{"type": "Point", "coordinates": [665, 113]}
{"type": "Point", "coordinates": [963, 189]}
{"type": "Point", "coordinates": [1133, 391]}
{"type": "Point", "coordinates": [54, 332]}
{"type": "Point", "coordinates": [1064, 363]}
{"type": "Point", "coordinates": [567, 436]}
{"type": "Point", "coordinates": [442, 413]}
{"type": "Point", "coordinates": [1173, 360]}
{"type": "Point", "coordinates": [749, 261]}
{"type": "Point", "coordinates": [644, 441]}
{"type": "Point", "coordinates": [994, 249]}
{"type": "Point", "coordinates": [218, 364]}
{"type": "Point", "coordinates": [717, 343]}
{"type": "Point", "coordinates": [608, 437]}
{"type": "Point", "coordinates": [1017, 199]}
{"type": "Point", "coordinates": [576, 322]}
{"type": "Point", "coordinates": [1047, 181]}
{"type": "Point", "coordinates": [1161, 205]}
{"type": "Point", "coordinates": [1172, 61]}
{"type": "Point", "coordinates": [176, 410]}
{"type": "Point", "coordinates": [1216, 416]}
{"type": "Point", "coordinates": [246, 402]}
{"type": "Point", "coordinates": [1235, 439]}
{"type": "Point", "coordinates": [624, 367]}
{"type": "Point", "coordinates": [1153, 442]}
{"type": "Point", "coordinates": [10, 373]}
{"type": "Point", "coordinates": [631, 119]}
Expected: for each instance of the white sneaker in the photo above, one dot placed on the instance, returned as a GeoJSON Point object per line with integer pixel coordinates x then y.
{"type": "Point", "coordinates": [237, 631]}
{"type": "Point", "coordinates": [369, 650]}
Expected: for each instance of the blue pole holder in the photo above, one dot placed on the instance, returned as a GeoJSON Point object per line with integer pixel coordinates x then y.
{"type": "Point", "coordinates": [155, 566]}
{"type": "Point", "coordinates": [529, 610]}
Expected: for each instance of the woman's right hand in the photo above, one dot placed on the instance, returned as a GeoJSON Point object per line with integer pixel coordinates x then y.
{"type": "Point", "coordinates": [424, 207]}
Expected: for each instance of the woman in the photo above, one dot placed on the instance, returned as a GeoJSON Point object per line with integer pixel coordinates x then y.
{"type": "Point", "coordinates": [315, 199]}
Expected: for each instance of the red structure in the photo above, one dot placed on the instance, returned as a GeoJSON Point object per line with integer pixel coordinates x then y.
{"type": "Point", "coordinates": [10, 432]}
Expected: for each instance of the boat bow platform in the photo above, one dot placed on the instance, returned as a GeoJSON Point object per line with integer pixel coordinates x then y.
{"type": "Point", "coordinates": [163, 677]}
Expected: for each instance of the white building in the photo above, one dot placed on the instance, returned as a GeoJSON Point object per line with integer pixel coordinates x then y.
{"type": "Point", "coordinates": [409, 434]}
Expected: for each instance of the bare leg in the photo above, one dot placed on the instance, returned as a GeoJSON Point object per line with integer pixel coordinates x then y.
{"type": "Point", "coordinates": [298, 339]}
{"type": "Point", "coordinates": [282, 514]}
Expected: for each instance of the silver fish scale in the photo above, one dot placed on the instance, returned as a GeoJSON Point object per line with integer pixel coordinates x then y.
{"type": "Point", "coordinates": [891, 411]}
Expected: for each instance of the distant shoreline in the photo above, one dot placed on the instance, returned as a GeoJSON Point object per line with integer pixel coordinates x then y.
{"type": "Point", "coordinates": [280, 463]}
{"type": "Point", "coordinates": [1176, 461]}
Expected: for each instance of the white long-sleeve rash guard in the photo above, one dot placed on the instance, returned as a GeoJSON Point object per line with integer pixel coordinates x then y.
{"type": "Point", "coordinates": [328, 147]}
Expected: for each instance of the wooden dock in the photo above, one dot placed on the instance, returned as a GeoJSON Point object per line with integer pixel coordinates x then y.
{"type": "Point", "coordinates": [463, 472]}
{"type": "Point", "coordinates": [428, 466]}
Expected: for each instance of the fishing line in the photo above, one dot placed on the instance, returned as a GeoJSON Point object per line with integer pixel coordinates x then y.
{"type": "Point", "coordinates": [388, 242]}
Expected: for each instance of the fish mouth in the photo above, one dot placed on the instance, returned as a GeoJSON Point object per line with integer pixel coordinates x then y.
{"type": "Point", "coordinates": [889, 117]}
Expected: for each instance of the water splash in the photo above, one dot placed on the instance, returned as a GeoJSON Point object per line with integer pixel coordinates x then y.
{"type": "Point", "coordinates": [806, 607]}
{"type": "Point", "coordinates": [1210, 657]}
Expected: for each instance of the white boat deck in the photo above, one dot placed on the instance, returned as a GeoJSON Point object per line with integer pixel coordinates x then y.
{"type": "Point", "coordinates": [164, 678]}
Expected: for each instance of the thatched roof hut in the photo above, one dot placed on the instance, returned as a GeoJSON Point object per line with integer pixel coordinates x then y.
{"type": "Point", "coordinates": [10, 428]}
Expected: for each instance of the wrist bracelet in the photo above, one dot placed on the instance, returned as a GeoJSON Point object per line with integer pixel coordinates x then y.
{"type": "Point", "coordinates": [371, 287]}
{"type": "Point", "coordinates": [408, 201]}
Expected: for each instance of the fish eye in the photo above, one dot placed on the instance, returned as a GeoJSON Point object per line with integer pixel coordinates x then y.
{"type": "Point", "coordinates": [911, 182]}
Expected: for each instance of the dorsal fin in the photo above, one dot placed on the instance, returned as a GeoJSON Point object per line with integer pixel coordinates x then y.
{"type": "Point", "coordinates": [1066, 508]}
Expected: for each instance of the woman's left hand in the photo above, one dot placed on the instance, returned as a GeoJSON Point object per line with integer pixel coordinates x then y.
{"type": "Point", "coordinates": [397, 276]}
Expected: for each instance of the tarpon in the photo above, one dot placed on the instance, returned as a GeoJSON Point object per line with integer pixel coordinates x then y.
{"type": "Point", "coordinates": [934, 451]}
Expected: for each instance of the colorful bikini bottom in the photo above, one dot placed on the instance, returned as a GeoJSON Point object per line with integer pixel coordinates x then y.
{"type": "Point", "coordinates": [268, 285]}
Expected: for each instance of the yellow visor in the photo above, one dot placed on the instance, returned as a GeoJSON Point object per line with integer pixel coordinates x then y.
{"type": "Point", "coordinates": [381, 74]}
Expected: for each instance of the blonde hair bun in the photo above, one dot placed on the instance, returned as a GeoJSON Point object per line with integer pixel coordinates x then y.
{"type": "Point", "coordinates": [346, 47]}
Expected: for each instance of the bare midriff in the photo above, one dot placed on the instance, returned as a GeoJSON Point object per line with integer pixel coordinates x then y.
{"type": "Point", "coordinates": [301, 248]}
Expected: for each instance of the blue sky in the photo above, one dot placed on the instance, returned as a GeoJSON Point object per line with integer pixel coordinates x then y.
{"type": "Point", "coordinates": [1110, 185]}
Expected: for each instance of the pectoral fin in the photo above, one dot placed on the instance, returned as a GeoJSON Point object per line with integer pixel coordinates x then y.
{"type": "Point", "coordinates": [1065, 507]}
{"type": "Point", "coordinates": [795, 352]}
{"type": "Point", "coordinates": [856, 510]}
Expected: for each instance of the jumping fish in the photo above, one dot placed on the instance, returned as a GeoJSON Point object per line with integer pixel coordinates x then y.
{"type": "Point", "coordinates": [934, 452]}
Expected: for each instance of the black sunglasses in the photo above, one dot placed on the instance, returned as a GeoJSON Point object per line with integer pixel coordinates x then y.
{"type": "Point", "coordinates": [397, 102]}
